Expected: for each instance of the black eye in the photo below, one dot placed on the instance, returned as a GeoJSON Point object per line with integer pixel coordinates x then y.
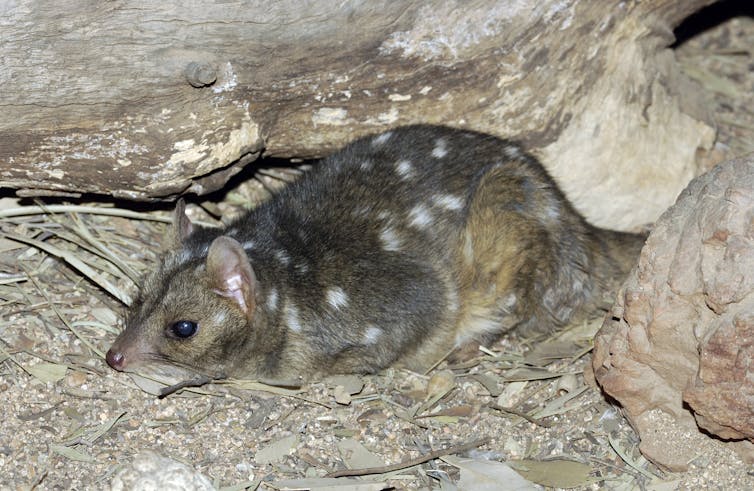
{"type": "Point", "coordinates": [184, 329]}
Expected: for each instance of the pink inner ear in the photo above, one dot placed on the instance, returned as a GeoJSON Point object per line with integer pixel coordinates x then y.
{"type": "Point", "coordinates": [234, 288]}
{"type": "Point", "coordinates": [231, 273]}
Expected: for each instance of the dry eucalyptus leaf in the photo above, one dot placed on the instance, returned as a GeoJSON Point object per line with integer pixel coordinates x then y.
{"type": "Point", "coordinates": [440, 383]}
{"type": "Point", "coordinates": [9, 245]}
{"type": "Point", "coordinates": [47, 372]}
{"type": "Point", "coordinates": [545, 353]}
{"type": "Point", "coordinates": [329, 484]}
{"type": "Point", "coordinates": [99, 430]}
{"type": "Point", "coordinates": [559, 404]}
{"type": "Point", "coordinates": [148, 385]}
{"type": "Point", "coordinates": [105, 315]}
{"type": "Point", "coordinates": [658, 485]}
{"type": "Point", "coordinates": [356, 456]}
{"type": "Point", "coordinates": [487, 475]}
{"type": "Point", "coordinates": [521, 374]}
{"type": "Point", "coordinates": [511, 393]}
{"type": "Point", "coordinates": [71, 453]}
{"type": "Point", "coordinates": [489, 382]}
{"type": "Point", "coordinates": [3, 355]}
{"type": "Point", "coordinates": [351, 384]}
{"type": "Point", "coordinates": [341, 395]}
{"type": "Point", "coordinates": [276, 451]}
{"type": "Point", "coordinates": [557, 473]}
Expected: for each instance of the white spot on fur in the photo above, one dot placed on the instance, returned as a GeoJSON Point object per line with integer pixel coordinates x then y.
{"type": "Point", "coordinates": [553, 212]}
{"type": "Point", "coordinates": [390, 239]}
{"type": "Point", "coordinates": [361, 211]}
{"type": "Point", "coordinates": [220, 318]}
{"type": "Point", "coordinates": [249, 244]}
{"type": "Point", "coordinates": [291, 317]}
{"type": "Point", "coordinates": [441, 149]}
{"type": "Point", "coordinates": [366, 165]}
{"type": "Point", "coordinates": [272, 300]}
{"type": "Point", "coordinates": [383, 215]}
{"type": "Point", "coordinates": [283, 257]}
{"type": "Point", "coordinates": [512, 152]}
{"type": "Point", "coordinates": [183, 257]}
{"type": "Point", "coordinates": [381, 139]}
{"type": "Point", "coordinates": [448, 201]}
{"type": "Point", "coordinates": [337, 297]}
{"type": "Point", "coordinates": [420, 217]}
{"type": "Point", "coordinates": [451, 297]}
{"type": "Point", "coordinates": [405, 169]}
{"type": "Point", "coordinates": [372, 335]}
{"type": "Point", "coordinates": [509, 302]}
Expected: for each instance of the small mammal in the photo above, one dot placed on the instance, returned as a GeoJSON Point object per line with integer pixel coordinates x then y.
{"type": "Point", "coordinates": [394, 250]}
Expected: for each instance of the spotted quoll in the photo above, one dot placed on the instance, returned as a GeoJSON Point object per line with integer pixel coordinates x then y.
{"type": "Point", "coordinates": [393, 251]}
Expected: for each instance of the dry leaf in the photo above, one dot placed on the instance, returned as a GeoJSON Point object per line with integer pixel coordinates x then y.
{"type": "Point", "coordinates": [489, 382]}
{"type": "Point", "coordinates": [487, 475]}
{"type": "Point", "coordinates": [441, 383]}
{"type": "Point", "coordinates": [47, 372]}
{"type": "Point", "coordinates": [71, 453]}
{"type": "Point", "coordinates": [556, 473]}
{"type": "Point", "coordinates": [276, 451]}
{"type": "Point", "coordinates": [351, 384]}
{"type": "Point", "coordinates": [341, 395]}
{"type": "Point", "coordinates": [105, 315]}
{"type": "Point", "coordinates": [356, 456]}
{"type": "Point", "coordinates": [528, 374]}
{"type": "Point", "coordinates": [329, 484]}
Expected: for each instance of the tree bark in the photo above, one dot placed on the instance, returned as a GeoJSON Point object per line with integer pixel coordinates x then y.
{"type": "Point", "coordinates": [145, 100]}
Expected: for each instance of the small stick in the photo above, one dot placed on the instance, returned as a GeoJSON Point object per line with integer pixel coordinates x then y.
{"type": "Point", "coordinates": [520, 414]}
{"type": "Point", "coordinates": [409, 463]}
{"type": "Point", "coordinates": [194, 382]}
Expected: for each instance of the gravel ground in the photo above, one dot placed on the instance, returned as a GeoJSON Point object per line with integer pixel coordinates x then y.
{"type": "Point", "coordinates": [69, 422]}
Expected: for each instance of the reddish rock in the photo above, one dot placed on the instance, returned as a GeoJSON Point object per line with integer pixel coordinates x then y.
{"type": "Point", "coordinates": [681, 337]}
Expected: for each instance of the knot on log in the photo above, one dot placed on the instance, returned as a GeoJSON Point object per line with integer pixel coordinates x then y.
{"type": "Point", "coordinates": [200, 74]}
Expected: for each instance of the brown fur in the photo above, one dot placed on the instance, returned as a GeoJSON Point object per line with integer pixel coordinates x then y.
{"type": "Point", "coordinates": [395, 250]}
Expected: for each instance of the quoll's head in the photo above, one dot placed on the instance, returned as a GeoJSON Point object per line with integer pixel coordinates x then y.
{"type": "Point", "coordinates": [189, 312]}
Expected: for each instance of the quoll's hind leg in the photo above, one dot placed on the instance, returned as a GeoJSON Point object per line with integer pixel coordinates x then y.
{"type": "Point", "coordinates": [504, 258]}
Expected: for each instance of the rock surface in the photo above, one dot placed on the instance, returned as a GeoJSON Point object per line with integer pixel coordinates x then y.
{"type": "Point", "coordinates": [150, 471]}
{"type": "Point", "coordinates": [679, 348]}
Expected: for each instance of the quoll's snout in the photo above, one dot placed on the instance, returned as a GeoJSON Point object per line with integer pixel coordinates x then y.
{"type": "Point", "coordinates": [116, 359]}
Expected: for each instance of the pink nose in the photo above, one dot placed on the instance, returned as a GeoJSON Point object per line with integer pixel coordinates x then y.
{"type": "Point", "coordinates": [116, 360]}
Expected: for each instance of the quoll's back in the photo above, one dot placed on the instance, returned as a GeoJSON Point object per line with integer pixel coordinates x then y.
{"type": "Point", "coordinates": [396, 249]}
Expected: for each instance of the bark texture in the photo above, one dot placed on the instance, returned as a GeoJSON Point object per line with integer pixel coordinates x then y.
{"type": "Point", "coordinates": [146, 100]}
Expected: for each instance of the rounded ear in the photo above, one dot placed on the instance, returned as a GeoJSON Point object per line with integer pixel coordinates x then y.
{"type": "Point", "coordinates": [182, 226]}
{"type": "Point", "coordinates": [231, 274]}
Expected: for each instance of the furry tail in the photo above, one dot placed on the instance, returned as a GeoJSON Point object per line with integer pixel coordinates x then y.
{"type": "Point", "coordinates": [615, 254]}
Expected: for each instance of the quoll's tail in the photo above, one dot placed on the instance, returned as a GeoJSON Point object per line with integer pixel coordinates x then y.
{"type": "Point", "coordinates": [615, 254]}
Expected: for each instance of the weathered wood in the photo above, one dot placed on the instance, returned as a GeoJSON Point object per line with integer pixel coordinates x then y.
{"type": "Point", "coordinates": [97, 97]}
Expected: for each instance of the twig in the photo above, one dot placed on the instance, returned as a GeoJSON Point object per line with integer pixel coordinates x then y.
{"type": "Point", "coordinates": [94, 210]}
{"type": "Point", "coordinates": [74, 261]}
{"type": "Point", "coordinates": [409, 463]}
{"type": "Point", "coordinates": [194, 382]}
{"type": "Point", "coordinates": [521, 414]}
{"type": "Point", "coordinates": [63, 318]}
